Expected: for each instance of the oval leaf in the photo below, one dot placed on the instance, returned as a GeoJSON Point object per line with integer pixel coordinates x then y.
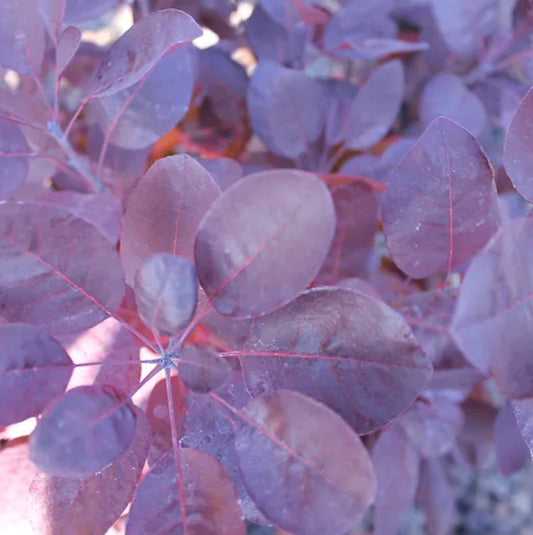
{"type": "Point", "coordinates": [286, 461]}
{"type": "Point", "coordinates": [139, 50]}
{"type": "Point", "coordinates": [58, 271]}
{"type": "Point", "coordinates": [83, 432]}
{"type": "Point", "coordinates": [440, 207]}
{"type": "Point", "coordinates": [166, 291]}
{"type": "Point", "coordinates": [205, 493]}
{"type": "Point", "coordinates": [202, 370]}
{"type": "Point", "coordinates": [164, 211]}
{"type": "Point", "coordinates": [14, 151]}
{"type": "Point", "coordinates": [34, 369]}
{"type": "Point", "coordinates": [344, 348]}
{"type": "Point", "coordinates": [493, 318]}
{"type": "Point", "coordinates": [262, 243]}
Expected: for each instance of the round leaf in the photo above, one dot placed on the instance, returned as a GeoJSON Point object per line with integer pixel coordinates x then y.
{"type": "Point", "coordinates": [202, 370]}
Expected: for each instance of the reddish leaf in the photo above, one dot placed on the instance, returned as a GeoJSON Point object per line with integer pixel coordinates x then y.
{"type": "Point", "coordinates": [261, 243]}
{"type": "Point", "coordinates": [517, 151]}
{"type": "Point", "coordinates": [201, 369]}
{"type": "Point", "coordinates": [58, 271]}
{"type": "Point", "coordinates": [164, 211]}
{"type": "Point", "coordinates": [14, 151]}
{"type": "Point", "coordinates": [344, 348]}
{"type": "Point", "coordinates": [492, 320]}
{"type": "Point", "coordinates": [203, 492]}
{"type": "Point", "coordinates": [139, 50]}
{"type": "Point", "coordinates": [440, 207]}
{"type": "Point", "coordinates": [83, 432]}
{"type": "Point", "coordinates": [512, 453]}
{"type": "Point", "coordinates": [396, 464]}
{"type": "Point", "coordinates": [70, 506]}
{"type": "Point", "coordinates": [166, 290]}
{"type": "Point", "coordinates": [34, 369]}
{"type": "Point", "coordinates": [286, 462]}
{"type": "Point", "coordinates": [286, 108]}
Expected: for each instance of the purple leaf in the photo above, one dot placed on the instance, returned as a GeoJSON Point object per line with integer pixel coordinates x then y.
{"type": "Point", "coordinates": [140, 114]}
{"type": "Point", "coordinates": [14, 151]}
{"type": "Point", "coordinates": [201, 369]}
{"type": "Point", "coordinates": [492, 319]}
{"type": "Point", "coordinates": [357, 223]}
{"type": "Point", "coordinates": [78, 11]}
{"type": "Point", "coordinates": [200, 500]}
{"type": "Point", "coordinates": [286, 462]}
{"type": "Point", "coordinates": [102, 210]}
{"type": "Point", "coordinates": [139, 50]}
{"type": "Point", "coordinates": [517, 151]}
{"type": "Point", "coordinates": [225, 171]}
{"type": "Point", "coordinates": [70, 506]}
{"type": "Point", "coordinates": [375, 106]}
{"type": "Point", "coordinates": [96, 424]}
{"type": "Point", "coordinates": [166, 290]}
{"type": "Point", "coordinates": [523, 412]}
{"type": "Point", "coordinates": [286, 108]}
{"type": "Point", "coordinates": [164, 211]}
{"type": "Point", "coordinates": [512, 453]}
{"type": "Point", "coordinates": [446, 94]}
{"type": "Point", "coordinates": [34, 369]}
{"type": "Point", "coordinates": [262, 243]}
{"type": "Point", "coordinates": [375, 49]}
{"type": "Point", "coordinates": [66, 48]}
{"type": "Point", "coordinates": [436, 497]}
{"type": "Point", "coordinates": [344, 348]}
{"type": "Point", "coordinates": [432, 426]}
{"type": "Point", "coordinates": [397, 465]}
{"type": "Point", "coordinates": [53, 12]}
{"type": "Point", "coordinates": [440, 207]}
{"type": "Point", "coordinates": [58, 271]}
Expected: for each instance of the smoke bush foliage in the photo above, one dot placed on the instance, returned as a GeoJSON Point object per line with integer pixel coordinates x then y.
{"type": "Point", "coordinates": [285, 279]}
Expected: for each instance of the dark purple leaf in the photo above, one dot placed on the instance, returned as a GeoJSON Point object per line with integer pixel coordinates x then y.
{"type": "Point", "coordinates": [58, 271]}
{"type": "Point", "coordinates": [357, 223]}
{"type": "Point", "coordinates": [166, 290]}
{"type": "Point", "coordinates": [139, 50]}
{"type": "Point", "coordinates": [446, 94]}
{"type": "Point", "coordinates": [201, 500]}
{"type": "Point", "coordinates": [262, 243]}
{"type": "Point", "coordinates": [492, 319]}
{"type": "Point", "coordinates": [523, 412]}
{"type": "Point", "coordinates": [68, 45]}
{"type": "Point", "coordinates": [344, 348]}
{"type": "Point", "coordinates": [83, 432]}
{"type": "Point", "coordinates": [375, 106]}
{"type": "Point", "coordinates": [70, 506]}
{"type": "Point", "coordinates": [201, 369]}
{"type": "Point", "coordinates": [436, 497]}
{"type": "Point", "coordinates": [517, 152]}
{"type": "Point", "coordinates": [286, 108]}
{"type": "Point", "coordinates": [34, 369]}
{"type": "Point", "coordinates": [14, 151]}
{"type": "Point", "coordinates": [396, 464]}
{"type": "Point", "coordinates": [286, 462]}
{"type": "Point", "coordinates": [440, 206]}
{"type": "Point", "coordinates": [164, 211]}
{"type": "Point", "coordinates": [512, 453]}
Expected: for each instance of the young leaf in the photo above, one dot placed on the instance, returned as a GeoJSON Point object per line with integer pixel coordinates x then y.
{"type": "Point", "coordinates": [34, 369]}
{"type": "Point", "coordinates": [66, 48]}
{"type": "Point", "coordinates": [14, 151]}
{"type": "Point", "coordinates": [261, 243]}
{"type": "Point", "coordinates": [286, 108]}
{"type": "Point", "coordinates": [90, 506]}
{"type": "Point", "coordinates": [164, 211]}
{"type": "Point", "coordinates": [139, 50]}
{"type": "Point", "coordinates": [344, 348]}
{"type": "Point", "coordinates": [512, 453]}
{"type": "Point", "coordinates": [492, 320]}
{"type": "Point", "coordinates": [517, 150]}
{"type": "Point", "coordinates": [201, 369]}
{"type": "Point", "coordinates": [375, 106]}
{"type": "Point", "coordinates": [396, 464]}
{"type": "Point", "coordinates": [58, 271]}
{"type": "Point", "coordinates": [166, 291]}
{"type": "Point", "coordinates": [83, 432]}
{"type": "Point", "coordinates": [203, 492]}
{"type": "Point", "coordinates": [440, 207]}
{"type": "Point", "coordinates": [286, 462]}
